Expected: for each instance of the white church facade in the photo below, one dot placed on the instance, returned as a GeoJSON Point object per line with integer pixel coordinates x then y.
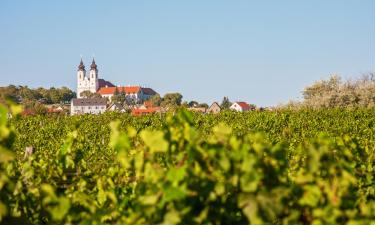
{"type": "Point", "coordinates": [91, 82]}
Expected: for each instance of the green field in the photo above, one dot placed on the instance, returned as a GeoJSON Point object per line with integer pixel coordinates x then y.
{"type": "Point", "coordinates": [272, 167]}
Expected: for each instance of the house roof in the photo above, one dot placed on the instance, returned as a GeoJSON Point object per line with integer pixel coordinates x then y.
{"type": "Point", "coordinates": [244, 105]}
{"type": "Point", "coordinates": [53, 110]}
{"type": "Point", "coordinates": [104, 83]}
{"type": "Point", "coordinates": [148, 91]}
{"type": "Point", "coordinates": [126, 89]}
{"type": "Point", "coordinates": [117, 106]}
{"type": "Point", "coordinates": [215, 104]}
{"type": "Point", "coordinates": [138, 111]}
{"type": "Point", "coordinates": [107, 90]}
{"type": "Point", "coordinates": [132, 89]}
{"type": "Point", "coordinates": [148, 104]}
{"type": "Point", "coordinates": [89, 101]}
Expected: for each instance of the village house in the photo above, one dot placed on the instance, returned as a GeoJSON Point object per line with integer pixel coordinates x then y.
{"type": "Point", "coordinates": [145, 111]}
{"type": "Point", "coordinates": [240, 107]}
{"type": "Point", "coordinates": [146, 108]}
{"type": "Point", "coordinates": [214, 108]}
{"type": "Point", "coordinates": [88, 105]}
{"type": "Point", "coordinates": [116, 107]}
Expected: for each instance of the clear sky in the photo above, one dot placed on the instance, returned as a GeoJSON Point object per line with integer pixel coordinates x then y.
{"type": "Point", "coordinates": [263, 52]}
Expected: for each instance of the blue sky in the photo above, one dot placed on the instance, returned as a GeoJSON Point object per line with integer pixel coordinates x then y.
{"type": "Point", "coordinates": [263, 52]}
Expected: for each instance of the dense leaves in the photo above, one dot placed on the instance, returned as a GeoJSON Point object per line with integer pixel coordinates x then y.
{"type": "Point", "coordinates": [281, 167]}
{"type": "Point", "coordinates": [24, 94]}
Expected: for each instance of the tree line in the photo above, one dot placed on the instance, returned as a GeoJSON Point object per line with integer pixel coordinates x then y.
{"type": "Point", "coordinates": [24, 94]}
{"type": "Point", "coordinates": [34, 100]}
{"type": "Point", "coordinates": [337, 92]}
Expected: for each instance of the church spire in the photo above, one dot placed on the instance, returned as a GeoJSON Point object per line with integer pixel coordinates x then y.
{"type": "Point", "coordinates": [81, 66]}
{"type": "Point", "coordinates": [93, 64]}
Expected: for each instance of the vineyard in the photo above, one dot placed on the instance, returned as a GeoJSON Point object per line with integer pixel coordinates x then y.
{"type": "Point", "coordinates": [273, 167]}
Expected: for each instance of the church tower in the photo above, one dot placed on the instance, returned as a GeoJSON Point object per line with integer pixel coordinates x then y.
{"type": "Point", "coordinates": [93, 77]}
{"type": "Point", "coordinates": [87, 83]}
{"type": "Point", "coordinates": [81, 79]}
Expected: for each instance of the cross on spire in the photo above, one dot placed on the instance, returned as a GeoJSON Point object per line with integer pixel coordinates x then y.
{"type": "Point", "coordinates": [93, 64]}
{"type": "Point", "coordinates": [81, 65]}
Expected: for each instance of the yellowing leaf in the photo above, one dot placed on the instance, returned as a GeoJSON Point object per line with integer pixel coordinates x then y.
{"type": "Point", "coordinates": [154, 140]}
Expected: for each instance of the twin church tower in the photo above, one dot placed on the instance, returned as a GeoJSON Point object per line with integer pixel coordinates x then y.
{"type": "Point", "coordinates": [87, 83]}
{"type": "Point", "coordinates": [92, 83]}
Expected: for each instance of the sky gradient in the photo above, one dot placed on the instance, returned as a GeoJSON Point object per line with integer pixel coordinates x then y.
{"type": "Point", "coordinates": [262, 52]}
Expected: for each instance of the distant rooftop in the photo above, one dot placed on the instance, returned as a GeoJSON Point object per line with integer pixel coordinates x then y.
{"type": "Point", "coordinates": [89, 101]}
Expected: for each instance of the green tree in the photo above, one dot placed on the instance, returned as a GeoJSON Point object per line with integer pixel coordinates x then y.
{"type": "Point", "coordinates": [203, 105]}
{"type": "Point", "coordinates": [28, 94]}
{"type": "Point", "coordinates": [35, 107]}
{"type": "Point", "coordinates": [55, 95]}
{"type": "Point", "coordinates": [155, 100]}
{"type": "Point", "coordinates": [193, 104]}
{"type": "Point", "coordinates": [89, 94]}
{"type": "Point", "coordinates": [119, 97]}
{"type": "Point", "coordinates": [9, 93]}
{"type": "Point", "coordinates": [66, 94]}
{"type": "Point", "coordinates": [171, 100]}
{"type": "Point", "coordinates": [225, 104]}
{"type": "Point", "coordinates": [185, 104]}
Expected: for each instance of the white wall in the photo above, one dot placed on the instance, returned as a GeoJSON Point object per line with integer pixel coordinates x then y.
{"type": "Point", "coordinates": [98, 109]}
{"type": "Point", "coordinates": [236, 107]}
{"type": "Point", "coordinates": [84, 83]}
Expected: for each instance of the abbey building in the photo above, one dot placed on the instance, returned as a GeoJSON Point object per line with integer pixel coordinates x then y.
{"type": "Point", "coordinates": [91, 82]}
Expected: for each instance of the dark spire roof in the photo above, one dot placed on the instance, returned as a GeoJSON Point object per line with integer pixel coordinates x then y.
{"type": "Point", "coordinates": [81, 66]}
{"type": "Point", "coordinates": [93, 64]}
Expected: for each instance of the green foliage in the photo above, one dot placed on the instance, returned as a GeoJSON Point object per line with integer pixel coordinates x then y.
{"type": "Point", "coordinates": [225, 104]}
{"type": "Point", "coordinates": [171, 100]}
{"type": "Point", "coordinates": [34, 107]}
{"type": "Point", "coordinates": [231, 168]}
{"type": "Point", "coordinates": [119, 97]}
{"type": "Point", "coordinates": [22, 94]}
{"type": "Point", "coordinates": [89, 94]}
{"type": "Point", "coordinates": [155, 100]}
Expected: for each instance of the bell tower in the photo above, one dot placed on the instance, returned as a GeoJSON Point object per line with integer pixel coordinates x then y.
{"type": "Point", "coordinates": [81, 75]}
{"type": "Point", "coordinates": [93, 77]}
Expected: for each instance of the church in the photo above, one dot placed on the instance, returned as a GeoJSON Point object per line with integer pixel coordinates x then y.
{"type": "Point", "coordinates": [91, 82]}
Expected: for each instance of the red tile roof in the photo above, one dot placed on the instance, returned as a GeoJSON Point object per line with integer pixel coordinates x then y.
{"type": "Point", "coordinates": [104, 83]}
{"type": "Point", "coordinates": [148, 91]}
{"type": "Point", "coordinates": [54, 110]}
{"type": "Point", "coordinates": [138, 112]}
{"type": "Point", "coordinates": [148, 104]}
{"type": "Point", "coordinates": [132, 89]}
{"type": "Point", "coordinates": [112, 90]}
{"type": "Point", "coordinates": [107, 90]}
{"type": "Point", "coordinates": [126, 89]}
{"type": "Point", "coordinates": [243, 105]}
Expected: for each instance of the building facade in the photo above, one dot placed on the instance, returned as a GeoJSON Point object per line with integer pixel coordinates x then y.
{"type": "Point", "coordinates": [135, 93]}
{"type": "Point", "coordinates": [214, 108]}
{"type": "Point", "coordinates": [240, 107]}
{"type": "Point", "coordinates": [88, 106]}
{"type": "Point", "coordinates": [89, 82]}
